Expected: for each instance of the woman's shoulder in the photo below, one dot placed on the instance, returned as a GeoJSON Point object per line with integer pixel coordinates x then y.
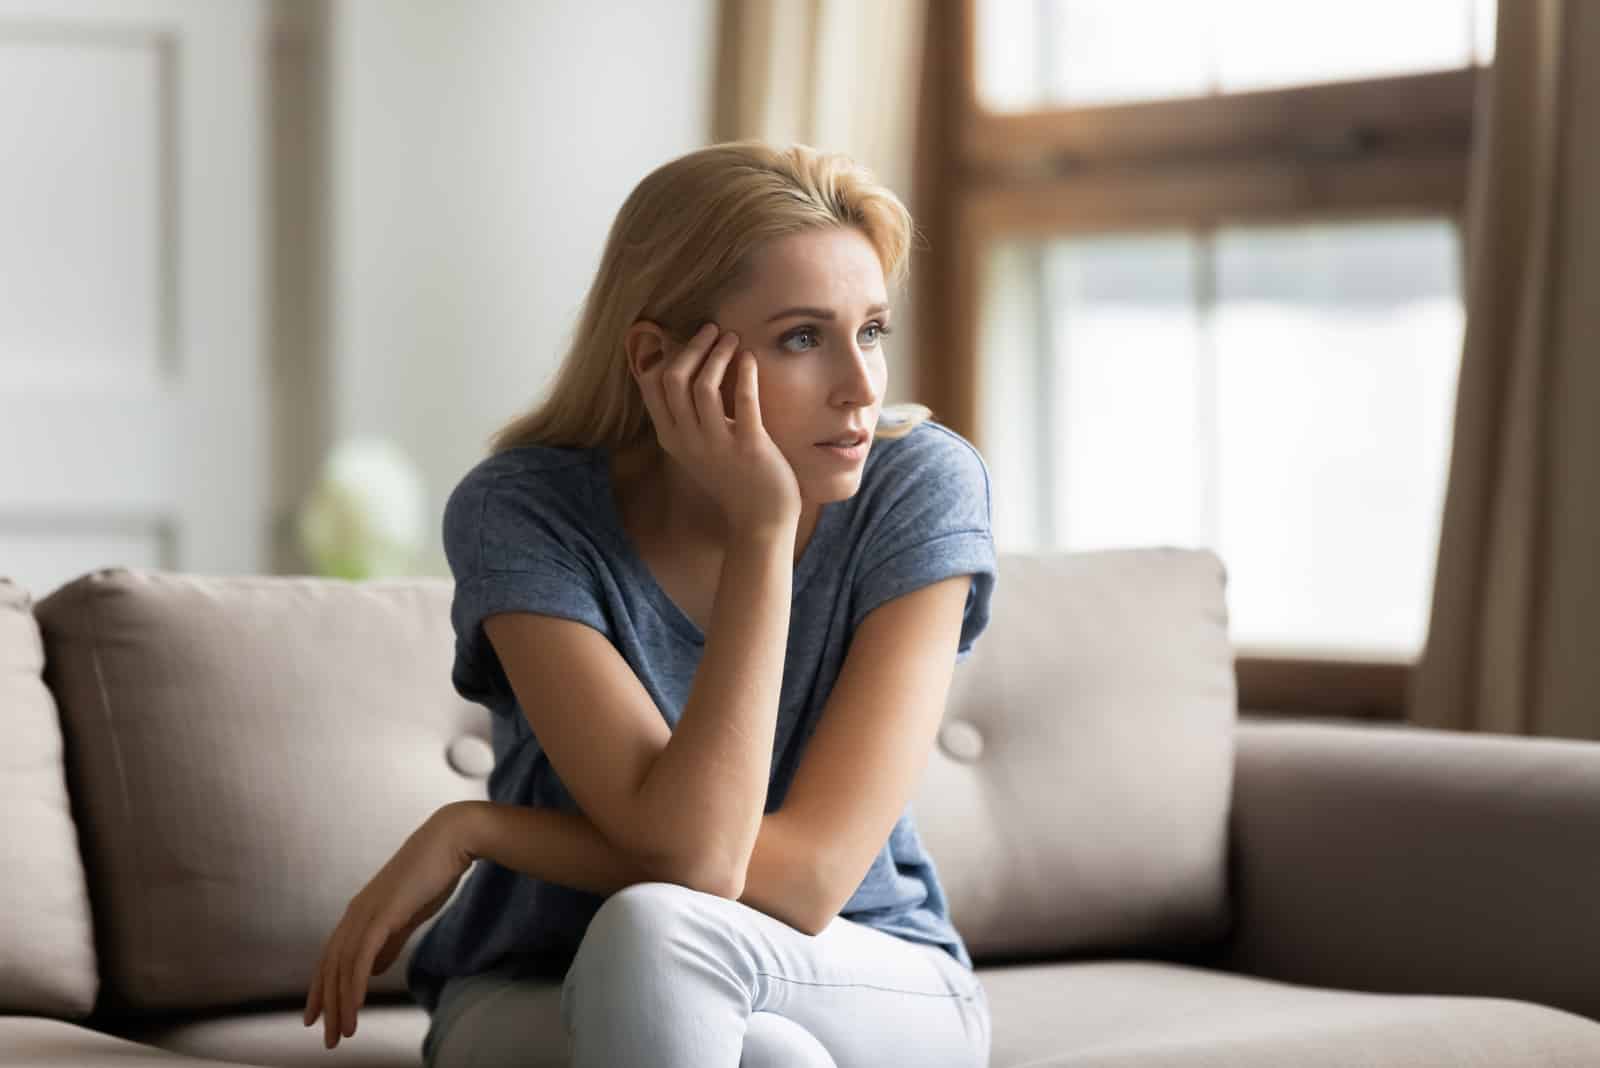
{"type": "Point", "coordinates": [529, 492]}
{"type": "Point", "coordinates": [931, 455]}
{"type": "Point", "coordinates": [527, 473]}
{"type": "Point", "coordinates": [533, 462]}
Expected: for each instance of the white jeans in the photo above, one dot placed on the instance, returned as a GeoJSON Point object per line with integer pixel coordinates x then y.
{"type": "Point", "coordinates": [671, 977]}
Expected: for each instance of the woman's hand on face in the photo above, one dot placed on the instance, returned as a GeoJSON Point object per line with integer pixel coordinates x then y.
{"type": "Point", "coordinates": [412, 886]}
{"type": "Point", "coordinates": [734, 460]}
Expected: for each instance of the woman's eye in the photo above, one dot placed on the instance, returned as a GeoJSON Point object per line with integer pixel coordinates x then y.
{"type": "Point", "coordinates": [804, 333]}
{"type": "Point", "coordinates": [872, 333]}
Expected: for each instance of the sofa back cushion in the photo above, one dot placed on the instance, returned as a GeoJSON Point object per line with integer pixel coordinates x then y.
{"type": "Point", "coordinates": [1077, 801]}
{"type": "Point", "coordinates": [246, 752]}
{"type": "Point", "coordinates": [47, 962]}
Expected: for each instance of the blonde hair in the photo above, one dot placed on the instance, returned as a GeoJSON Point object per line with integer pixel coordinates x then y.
{"type": "Point", "coordinates": [683, 239]}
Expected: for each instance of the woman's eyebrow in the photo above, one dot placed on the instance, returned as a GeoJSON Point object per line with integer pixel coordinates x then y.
{"type": "Point", "coordinates": [822, 313]}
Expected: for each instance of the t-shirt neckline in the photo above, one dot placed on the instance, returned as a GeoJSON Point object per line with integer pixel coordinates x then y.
{"type": "Point", "coordinates": [605, 504]}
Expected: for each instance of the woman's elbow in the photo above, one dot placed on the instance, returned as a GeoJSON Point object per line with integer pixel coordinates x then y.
{"type": "Point", "coordinates": [705, 875]}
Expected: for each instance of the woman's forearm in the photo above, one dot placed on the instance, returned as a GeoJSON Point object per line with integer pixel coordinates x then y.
{"type": "Point", "coordinates": [565, 848]}
{"type": "Point", "coordinates": [707, 788]}
{"type": "Point", "coordinates": [549, 844]}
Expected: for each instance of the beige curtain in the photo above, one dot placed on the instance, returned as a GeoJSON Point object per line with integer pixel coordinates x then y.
{"type": "Point", "coordinates": [839, 75]}
{"type": "Point", "coordinates": [1514, 642]}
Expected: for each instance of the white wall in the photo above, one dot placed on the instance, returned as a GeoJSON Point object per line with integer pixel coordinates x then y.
{"type": "Point", "coordinates": [476, 154]}
{"type": "Point", "coordinates": [132, 429]}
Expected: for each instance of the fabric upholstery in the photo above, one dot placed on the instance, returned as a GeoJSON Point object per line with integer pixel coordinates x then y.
{"type": "Point", "coordinates": [1125, 1013]}
{"type": "Point", "coordinates": [37, 1042]}
{"type": "Point", "coordinates": [244, 752]}
{"type": "Point", "coordinates": [1078, 799]}
{"type": "Point", "coordinates": [387, 1036]}
{"type": "Point", "coordinates": [1085, 1014]}
{"type": "Point", "coordinates": [47, 958]}
{"type": "Point", "coordinates": [248, 752]}
{"type": "Point", "coordinates": [1416, 860]}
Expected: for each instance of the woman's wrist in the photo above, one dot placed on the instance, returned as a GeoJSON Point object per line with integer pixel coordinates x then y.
{"type": "Point", "coordinates": [462, 825]}
{"type": "Point", "coordinates": [548, 844]}
{"type": "Point", "coordinates": [772, 530]}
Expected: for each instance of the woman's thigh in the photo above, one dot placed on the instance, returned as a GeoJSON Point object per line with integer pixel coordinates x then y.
{"type": "Point", "coordinates": [498, 1018]}
{"type": "Point", "coordinates": [681, 973]}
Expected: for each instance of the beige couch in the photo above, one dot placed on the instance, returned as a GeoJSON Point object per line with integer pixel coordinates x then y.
{"type": "Point", "coordinates": [199, 772]}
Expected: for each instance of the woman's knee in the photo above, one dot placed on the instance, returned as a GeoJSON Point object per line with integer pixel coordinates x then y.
{"type": "Point", "coordinates": [639, 918]}
{"type": "Point", "coordinates": [637, 931]}
{"type": "Point", "coordinates": [773, 1041]}
{"type": "Point", "coordinates": [640, 950]}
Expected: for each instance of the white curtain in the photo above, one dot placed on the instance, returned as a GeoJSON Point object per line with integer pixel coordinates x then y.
{"type": "Point", "coordinates": [1514, 641]}
{"type": "Point", "coordinates": [839, 75]}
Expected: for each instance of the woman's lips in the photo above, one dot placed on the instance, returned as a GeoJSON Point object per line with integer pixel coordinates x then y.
{"type": "Point", "coordinates": [850, 454]}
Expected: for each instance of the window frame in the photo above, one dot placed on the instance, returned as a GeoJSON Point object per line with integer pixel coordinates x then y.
{"type": "Point", "coordinates": [1313, 153]}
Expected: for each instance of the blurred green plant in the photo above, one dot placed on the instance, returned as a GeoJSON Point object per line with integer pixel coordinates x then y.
{"type": "Point", "coordinates": [363, 518]}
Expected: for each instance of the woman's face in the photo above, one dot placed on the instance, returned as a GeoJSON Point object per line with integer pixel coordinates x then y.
{"type": "Point", "coordinates": [814, 313]}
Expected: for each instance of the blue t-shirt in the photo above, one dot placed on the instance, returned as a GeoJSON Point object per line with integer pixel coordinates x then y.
{"type": "Point", "coordinates": [536, 529]}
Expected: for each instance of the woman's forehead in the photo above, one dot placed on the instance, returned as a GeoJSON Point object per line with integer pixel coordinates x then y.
{"type": "Point", "coordinates": [835, 269]}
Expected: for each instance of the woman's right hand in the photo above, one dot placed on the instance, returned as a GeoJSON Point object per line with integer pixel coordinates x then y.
{"type": "Point", "coordinates": [734, 460]}
{"type": "Point", "coordinates": [415, 883]}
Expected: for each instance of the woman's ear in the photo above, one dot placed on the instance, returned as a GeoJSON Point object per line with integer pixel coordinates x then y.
{"type": "Point", "coordinates": [646, 343]}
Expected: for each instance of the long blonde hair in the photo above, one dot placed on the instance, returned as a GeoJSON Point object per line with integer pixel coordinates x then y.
{"type": "Point", "coordinates": [686, 236]}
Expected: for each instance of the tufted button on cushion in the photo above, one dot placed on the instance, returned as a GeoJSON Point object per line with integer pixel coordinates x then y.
{"type": "Point", "coordinates": [962, 741]}
{"type": "Point", "coordinates": [472, 756]}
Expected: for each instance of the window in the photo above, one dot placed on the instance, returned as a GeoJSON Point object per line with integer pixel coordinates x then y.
{"type": "Point", "coordinates": [1034, 54]}
{"type": "Point", "coordinates": [1199, 282]}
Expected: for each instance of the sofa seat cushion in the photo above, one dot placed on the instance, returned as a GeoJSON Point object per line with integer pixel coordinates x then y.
{"type": "Point", "coordinates": [39, 1042]}
{"type": "Point", "coordinates": [1114, 1013]}
{"type": "Point", "coordinates": [1082, 1014]}
{"type": "Point", "coordinates": [388, 1035]}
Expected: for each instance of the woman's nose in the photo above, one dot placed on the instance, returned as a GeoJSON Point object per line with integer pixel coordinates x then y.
{"type": "Point", "coordinates": [858, 378]}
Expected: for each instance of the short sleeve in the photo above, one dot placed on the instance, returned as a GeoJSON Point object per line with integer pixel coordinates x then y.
{"type": "Point", "coordinates": [507, 554]}
{"type": "Point", "coordinates": [937, 524]}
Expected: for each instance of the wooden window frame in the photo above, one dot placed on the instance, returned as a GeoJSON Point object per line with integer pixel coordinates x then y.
{"type": "Point", "coordinates": [1316, 152]}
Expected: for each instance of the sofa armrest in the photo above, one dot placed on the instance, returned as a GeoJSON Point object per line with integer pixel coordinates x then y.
{"type": "Point", "coordinates": [1410, 860]}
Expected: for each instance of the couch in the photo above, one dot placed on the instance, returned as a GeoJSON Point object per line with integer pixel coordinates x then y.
{"type": "Point", "coordinates": [200, 771]}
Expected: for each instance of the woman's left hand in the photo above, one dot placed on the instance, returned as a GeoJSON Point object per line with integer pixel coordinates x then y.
{"type": "Point", "coordinates": [412, 886]}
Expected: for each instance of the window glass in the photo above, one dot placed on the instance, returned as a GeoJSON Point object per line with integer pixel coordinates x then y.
{"type": "Point", "coordinates": [1283, 395]}
{"type": "Point", "coordinates": [1060, 53]}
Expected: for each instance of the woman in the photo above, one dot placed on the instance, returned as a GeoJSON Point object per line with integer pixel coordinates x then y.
{"type": "Point", "coordinates": [716, 644]}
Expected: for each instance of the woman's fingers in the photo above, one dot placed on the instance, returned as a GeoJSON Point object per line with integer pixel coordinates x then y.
{"type": "Point", "coordinates": [349, 954]}
{"type": "Point", "coordinates": [708, 390]}
{"type": "Point", "coordinates": [356, 995]}
{"type": "Point", "coordinates": [390, 951]}
{"type": "Point", "coordinates": [681, 375]}
{"type": "Point", "coordinates": [330, 991]}
{"type": "Point", "coordinates": [675, 373]}
{"type": "Point", "coordinates": [747, 398]}
{"type": "Point", "coordinates": [314, 998]}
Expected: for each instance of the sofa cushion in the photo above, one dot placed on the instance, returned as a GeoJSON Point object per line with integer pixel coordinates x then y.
{"type": "Point", "coordinates": [38, 1042]}
{"type": "Point", "coordinates": [387, 1036]}
{"type": "Point", "coordinates": [47, 960]}
{"type": "Point", "coordinates": [1125, 1013]}
{"type": "Point", "coordinates": [1078, 797]}
{"type": "Point", "coordinates": [1089, 1014]}
{"type": "Point", "coordinates": [247, 752]}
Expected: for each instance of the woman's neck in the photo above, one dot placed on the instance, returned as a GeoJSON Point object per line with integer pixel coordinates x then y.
{"type": "Point", "coordinates": [660, 502]}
